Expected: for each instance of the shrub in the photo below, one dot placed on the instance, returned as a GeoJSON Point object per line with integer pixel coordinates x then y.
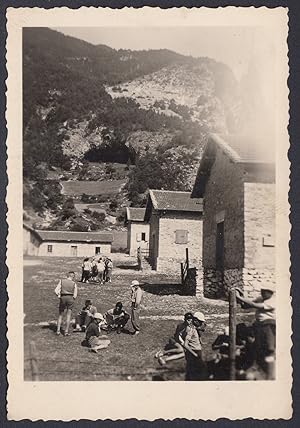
{"type": "Point", "coordinates": [113, 205]}
{"type": "Point", "coordinates": [99, 216]}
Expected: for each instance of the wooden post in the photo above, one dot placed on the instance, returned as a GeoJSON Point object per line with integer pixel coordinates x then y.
{"type": "Point", "coordinates": [33, 361]}
{"type": "Point", "coordinates": [187, 257]}
{"type": "Point", "coordinates": [182, 273]}
{"type": "Point", "coordinates": [232, 331]}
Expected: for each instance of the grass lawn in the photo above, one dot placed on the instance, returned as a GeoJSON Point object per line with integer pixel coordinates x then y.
{"type": "Point", "coordinates": [128, 357]}
{"type": "Point", "coordinates": [77, 188]}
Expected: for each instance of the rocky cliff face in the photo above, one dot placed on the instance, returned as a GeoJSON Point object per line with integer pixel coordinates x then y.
{"type": "Point", "coordinates": [182, 90]}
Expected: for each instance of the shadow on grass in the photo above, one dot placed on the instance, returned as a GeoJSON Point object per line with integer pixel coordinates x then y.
{"type": "Point", "coordinates": [128, 267]}
{"type": "Point", "coordinates": [50, 326]}
{"type": "Point", "coordinates": [164, 289]}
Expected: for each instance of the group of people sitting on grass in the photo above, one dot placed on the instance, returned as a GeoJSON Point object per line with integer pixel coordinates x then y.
{"type": "Point", "coordinates": [93, 323]}
{"type": "Point", "coordinates": [255, 344]}
{"type": "Point", "coordinates": [89, 320]}
{"type": "Point", "coordinates": [97, 269]}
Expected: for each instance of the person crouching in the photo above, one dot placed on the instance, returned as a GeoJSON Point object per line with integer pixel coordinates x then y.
{"type": "Point", "coordinates": [84, 317]}
{"type": "Point", "coordinates": [116, 318]}
{"type": "Point", "coordinates": [93, 335]}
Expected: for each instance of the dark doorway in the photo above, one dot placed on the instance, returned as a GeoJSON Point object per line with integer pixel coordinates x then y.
{"type": "Point", "coordinates": [220, 247]}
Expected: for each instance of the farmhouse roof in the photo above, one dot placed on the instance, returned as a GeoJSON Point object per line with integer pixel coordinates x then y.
{"type": "Point", "coordinates": [245, 149]}
{"type": "Point", "coordinates": [254, 155]}
{"type": "Point", "coordinates": [63, 236]}
{"type": "Point", "coordinates": [135, 214]}
{"type": "Point", "coordinates": [166, 200]}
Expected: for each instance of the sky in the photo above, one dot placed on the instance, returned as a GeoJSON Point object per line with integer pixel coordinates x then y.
{"type": "Point", "coordinates": [235, 46]}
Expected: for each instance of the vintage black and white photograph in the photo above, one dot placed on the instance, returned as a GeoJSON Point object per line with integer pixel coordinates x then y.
{"type": "Point", "coordinates": [150, 202]}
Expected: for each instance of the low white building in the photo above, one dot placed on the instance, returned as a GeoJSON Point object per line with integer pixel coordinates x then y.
{"type": "Point", "coordinates": [65, 243]}
{"type": "Point", "coordinates": [137, 231]}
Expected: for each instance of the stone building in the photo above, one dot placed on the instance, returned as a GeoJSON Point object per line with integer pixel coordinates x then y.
{"type": "Point", "coordinates": [137, 231]}
{"type": "Point", "coordinates": [69, 244]}
{"type": "Point", "coordinates": [175, 221]}
{"type": "Point", "coordinates": [236, 180]}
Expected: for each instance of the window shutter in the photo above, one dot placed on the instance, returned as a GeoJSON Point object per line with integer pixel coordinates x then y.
{"type": "Point", "coordinates": [181, 237]}
{"type": "Point", "coordinates": [138, 237]}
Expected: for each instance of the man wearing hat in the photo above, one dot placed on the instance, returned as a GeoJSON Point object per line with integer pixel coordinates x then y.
{"type": "Point", "coordinates": [136, 298]}
{"type": "Point", "coordinates": [93, 336]}
{"type": "Point", "coordinates": [264, 327]}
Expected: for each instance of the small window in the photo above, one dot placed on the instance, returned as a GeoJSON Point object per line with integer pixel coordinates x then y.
{"type": "Point", "coordinates": [74, 250]}
{"type": "Point", "coordinates": [143, 236]}
{"type": "Point", "coordinates": [268, 241]}
{"type": "Point", "coordinates": [181, 236]}
{"type": "Point", "coordinates": [97, 250]}
{"type": "Point", "coordinates": [49, 248]}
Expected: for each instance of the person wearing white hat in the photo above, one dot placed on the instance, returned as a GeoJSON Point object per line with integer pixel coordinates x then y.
{"type": "Point", "coordinates": [93, 336]}
{"type": "Point", "coordinates": [195, 366]}
{"type": "Point", "coordinates": [265, 327]}
{"type": "Point", "coordinates": [136, 298]}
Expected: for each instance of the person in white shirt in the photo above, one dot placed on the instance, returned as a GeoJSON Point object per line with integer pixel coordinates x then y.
{"type": "Point", "coordinates": [136, 298]}
{"type": "Point", "coordinates": [100, 270]}
{"type": "Point", "coordinates": [265, 327]}
{"type": "Point", "coordinates": [66, 291]}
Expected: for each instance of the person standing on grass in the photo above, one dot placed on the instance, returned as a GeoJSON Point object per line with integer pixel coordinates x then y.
{"type": "Point", "coordinates": [136, 298]}
{"type": "Point", "coordinates": [108, 269]}
{"type": "Point", "coordinates": [100, 269]}
{"type": "Point", "coordinates": [86, 270]}
{"type": "Point", "coordinates": [66, 290]}
{"type": "Point", "coordinates": [84, 317]}
{"type": "Point", "coordinates": [139, 259]}
{"type": "Point", "coordinates": [93, 335]}
{"type": "Point", "coordinates": [264, 327]}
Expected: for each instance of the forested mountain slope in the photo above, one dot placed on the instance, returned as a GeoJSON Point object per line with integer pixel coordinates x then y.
{"type": "Point", "coordinates": [85, 103]}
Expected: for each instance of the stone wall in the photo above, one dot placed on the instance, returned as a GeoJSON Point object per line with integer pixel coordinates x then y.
{"type": "Point", "coordinates": [224, 201]}
{"type": "Point", "coordinates": [212, 283]}
{"type": "Point", "coordinates": [255, 278]}
{"type": "Point", "coordinates": [153, 239]}
{"type": "Point", "coordinates": [135, 229]}
{"type": "Point", "coordinates": [170, 253]}
{"type": "Point", "coordinates": [259, 226]}
{"type": "Point", "coordinates": [249, 280]}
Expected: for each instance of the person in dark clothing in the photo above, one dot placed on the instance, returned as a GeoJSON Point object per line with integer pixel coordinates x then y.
{"type": "Point", "coordinates": [195, 366]}
{"type": "Point", "coordinates": [86, 270]}
{"type": "Point", "coordinates": [84, 317]}
{"type": "Point", "coordinates": [93, 336]}
{"type": "Point", "coordinates": [116, 318]}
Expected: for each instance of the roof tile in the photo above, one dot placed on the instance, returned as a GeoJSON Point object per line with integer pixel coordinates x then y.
{"type": "Point", "coordinates": [175, 201]}
{"type": "Point", "coordinates": [57, 235]}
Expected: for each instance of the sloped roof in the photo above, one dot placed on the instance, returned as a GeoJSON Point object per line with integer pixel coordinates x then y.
{"type": "Point", "coordinates": [135, 214]}
{"type": "Point", "coordinates": [246, 149]}
{"type": "Point", "coordinates": [255, 155]}
{"type": "Point", "coordinates": [66, 236]}
{"type": "Point", "coordinates": [166, 200]}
